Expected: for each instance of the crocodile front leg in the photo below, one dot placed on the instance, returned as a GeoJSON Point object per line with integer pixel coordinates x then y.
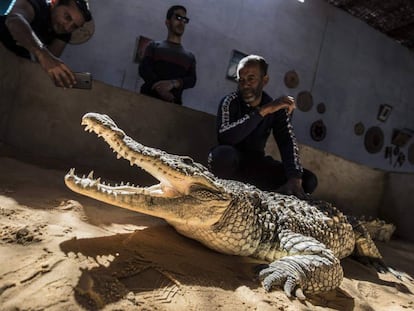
{"type": "Point", "coordinates": [308, 267]}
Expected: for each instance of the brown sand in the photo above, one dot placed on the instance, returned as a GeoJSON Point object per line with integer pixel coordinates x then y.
{"type": "Point", "coordinates": [61, 251]}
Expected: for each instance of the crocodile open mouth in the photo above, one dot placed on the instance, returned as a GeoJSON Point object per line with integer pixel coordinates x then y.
{"type": "Point", "coordinates": [177, 175]}
{"type": "Point", "coordinates": [89, 181]}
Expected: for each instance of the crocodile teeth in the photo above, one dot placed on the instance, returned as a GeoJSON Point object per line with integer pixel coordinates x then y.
{"type": "Point", "coordinates": [90, 176]}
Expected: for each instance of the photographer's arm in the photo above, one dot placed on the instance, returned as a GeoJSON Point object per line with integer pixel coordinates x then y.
{"type": "Point", "coordinates": [18, 23]}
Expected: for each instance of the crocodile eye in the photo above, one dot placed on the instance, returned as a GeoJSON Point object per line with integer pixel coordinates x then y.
{"type": "Point", "coordinates": [187, 160]}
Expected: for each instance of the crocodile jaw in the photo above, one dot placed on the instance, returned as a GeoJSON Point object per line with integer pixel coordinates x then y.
{"type": "Point", "coordinates": [177, 174]}
{"type": "Point", "coordinates": [187, 192]}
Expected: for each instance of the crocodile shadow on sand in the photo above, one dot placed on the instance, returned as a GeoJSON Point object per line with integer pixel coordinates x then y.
{"type": "Point", "coordinates": [158, 261]}
{"type": "Point", "coordinates": [155, 258]}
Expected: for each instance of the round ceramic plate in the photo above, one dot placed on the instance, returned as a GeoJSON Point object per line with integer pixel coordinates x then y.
{"type": "Point", "coordinates": [304, 101]}
{"type": "Point", "coordinates": [321, 108]}
{"type": "Point", "coordinates": [359, 129]}
{"type": "Point", "coordinates": [410, 154]}
{"type": "Point", "coordinates": [318, 130]}
{"type": "Point", "coordinates": [374, 139]}
{"type": "Point", "coordinates": [291, 79]}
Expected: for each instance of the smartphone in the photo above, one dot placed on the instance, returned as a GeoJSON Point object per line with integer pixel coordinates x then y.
{"type": "Point", "coordinates": [83, 80]}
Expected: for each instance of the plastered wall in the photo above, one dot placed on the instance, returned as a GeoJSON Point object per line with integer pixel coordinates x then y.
{"type": "Point", "coordinates": [345, 64]}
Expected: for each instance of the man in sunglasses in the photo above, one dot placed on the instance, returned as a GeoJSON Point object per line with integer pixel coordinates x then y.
{"type": "Point", "coordinates": [245, 120]}
{"type": "Point", "coordinates": [167, 68]}
{"type": "Point", "coordinates": [40, 29]}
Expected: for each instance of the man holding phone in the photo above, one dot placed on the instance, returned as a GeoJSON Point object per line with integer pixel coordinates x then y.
{"type": "Point", "coordinates": [40, 29]}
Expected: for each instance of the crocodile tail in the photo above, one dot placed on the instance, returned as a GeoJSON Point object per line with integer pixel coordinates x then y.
{"type": "Point", "coordinates": [364, 244]}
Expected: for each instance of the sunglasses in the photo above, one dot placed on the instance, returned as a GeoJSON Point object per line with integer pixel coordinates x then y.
{"type": "Point", "coordinates": [180, 18]}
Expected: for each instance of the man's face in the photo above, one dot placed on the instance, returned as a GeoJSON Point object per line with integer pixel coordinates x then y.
{"type": "Point", "coordinates": [251, 82]}
{"type": "Point", "coordinates": [176, 24]}
{"type": "Point", "coordinates": [66, 18]}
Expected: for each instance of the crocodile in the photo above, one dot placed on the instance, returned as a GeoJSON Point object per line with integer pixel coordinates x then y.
{"type": "Point", "coordinates": [301, 241]}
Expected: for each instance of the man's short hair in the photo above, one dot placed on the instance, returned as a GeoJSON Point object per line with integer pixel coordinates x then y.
{"type": "Point", "coordinates": [253, 59]}
{"type": "Point", "coordinates": [82, 5]}
{"type": "Point", "coordinates": [174, 8]}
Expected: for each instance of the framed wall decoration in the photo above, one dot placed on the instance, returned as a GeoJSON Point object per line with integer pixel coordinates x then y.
{"type": "Point", "coordinates": [384, 112]}
{"type": "Point", "coordinates": [140, 46]}
{"type": "Point", "coordinates": [235, 58]}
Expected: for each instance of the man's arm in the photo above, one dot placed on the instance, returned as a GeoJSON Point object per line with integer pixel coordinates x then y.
{"type": "Point", "coordinates": [146, 71]}
{"type": "Point", "coordinates": [190, 79]}
{"type": "Point", "coordinates": [164, 87]}
{"type": "Point", "coordinates": [186, 82]}
{"type": "Point", "coordinates": [147, 64]}
{"type": "Point", "coordinates": [282, 108]}
{"type": "Point", "coordinates": [18, 23]}
{"type": "Point", "coordinates": [289, 151]}
{"type": "Point", "coordinates": [286, 142]}
{"type": "Point", "coordinates": [283, 102]}
{"type": "Point", "coordinates": [233, 127]}
{"type": "Point", "coordinates": [56, 47]}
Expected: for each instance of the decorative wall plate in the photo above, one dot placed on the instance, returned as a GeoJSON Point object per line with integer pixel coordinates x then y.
{"type": "Point", "coordinates": [401, 137]}
{"type": "Point", "coordinates": [359, 128]}
{"type": "Point", "coordinates": [321, 108]}
{"type": "Point", "coordinates": [410, 155]}
{"type": "Point", "coordinates": [318, 130]}
{"type": "Point", "coordinates": [374, 139]}
{"type": "Point", "coordinates": [291, 79]}
{"type": "Point", "coordinates": [304, 101]}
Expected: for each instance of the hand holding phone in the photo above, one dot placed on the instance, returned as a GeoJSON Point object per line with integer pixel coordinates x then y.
{"type": "Point", "coordinates": [83, 80]}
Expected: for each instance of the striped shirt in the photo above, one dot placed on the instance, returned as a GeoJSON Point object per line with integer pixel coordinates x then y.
{"type": "Point", "coordinates": [164, 60]}
{"type": "Point", "coordinates": [241, 126]}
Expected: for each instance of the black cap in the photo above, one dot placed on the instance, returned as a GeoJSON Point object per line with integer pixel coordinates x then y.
{"type": "Point", "coordinates": [83, 6]}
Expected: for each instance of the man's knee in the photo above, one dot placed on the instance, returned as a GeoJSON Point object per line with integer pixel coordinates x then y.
{"type": "Point", "coordinates": [223, 161]}
{"type": "Point", "coordinates": [309, 181]}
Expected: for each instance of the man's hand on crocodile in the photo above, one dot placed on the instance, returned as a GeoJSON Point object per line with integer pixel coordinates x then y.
{"type": "Point", "coordinates": [294, 187]}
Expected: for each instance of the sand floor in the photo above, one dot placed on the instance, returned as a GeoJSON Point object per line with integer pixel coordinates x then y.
{"type": "Point", "coordinates": [61, 251]}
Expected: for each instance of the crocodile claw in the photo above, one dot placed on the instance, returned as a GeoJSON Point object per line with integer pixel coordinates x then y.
{"type": "Point", "coordinates": [283, 273]}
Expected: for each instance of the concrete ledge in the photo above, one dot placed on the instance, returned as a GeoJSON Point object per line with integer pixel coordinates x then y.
{"type": "Point", "coordinates": [397, 205]}
{"type": "Point", "coordinates": [354, 188]}
{"type": "Point", "coordinates": [41, 120]}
